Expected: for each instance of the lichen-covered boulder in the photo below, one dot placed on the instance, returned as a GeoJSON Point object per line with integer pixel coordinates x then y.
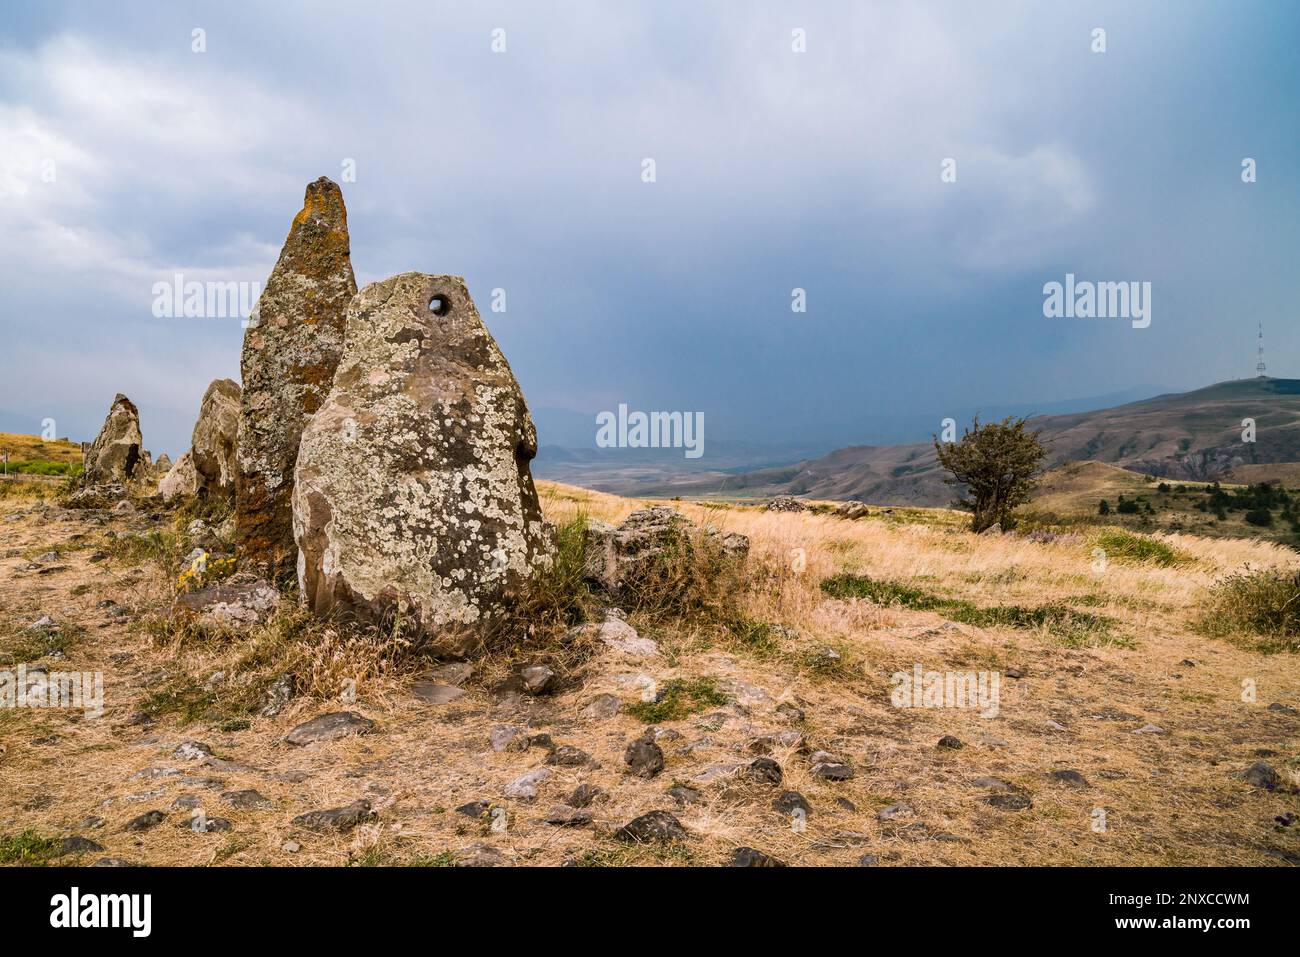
{"type": "Point", "coordinates": [291, 349]}
{"type": "Point", "coordinates": [114, 457]}
{"type": "Point", "coordinates": [214, 439]}
{"type": "Point", "coordinates": [181, 479]}
{"type": "Point", "coordinates": [413, 493]}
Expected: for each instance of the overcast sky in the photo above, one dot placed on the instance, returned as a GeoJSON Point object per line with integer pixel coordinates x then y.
{"type": "Point", "coordinates": [775, 169]}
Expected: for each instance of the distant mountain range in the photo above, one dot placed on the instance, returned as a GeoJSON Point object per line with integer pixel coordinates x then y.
{"type": "Point", "coordinates": [1190, 435]}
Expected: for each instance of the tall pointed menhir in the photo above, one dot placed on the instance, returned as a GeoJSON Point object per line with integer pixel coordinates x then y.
{"type": "Point", "coordinates": [291, 350]}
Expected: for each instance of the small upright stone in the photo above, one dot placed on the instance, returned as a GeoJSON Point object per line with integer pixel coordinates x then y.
{"type": "Point", "coordinates": [181, 479]}
{"type": "Point", "coordinates": [115, 456]}
{"type": "Point", "coordinates": [212, 445]}
{"type": "Point", "coordinates": [291, 349]}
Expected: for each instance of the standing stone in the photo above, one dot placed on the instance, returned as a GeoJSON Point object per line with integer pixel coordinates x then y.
{"type": "Point", "coordinates": [181, 479]}
{"type": "Point", "coordinates": [413, 490]}
{"type": "Point", "coordinates": [291, 350]}
{"type": "Point", "coordinates": [213, 442]}
{"type": "Point", "coordinates": [114, 457]}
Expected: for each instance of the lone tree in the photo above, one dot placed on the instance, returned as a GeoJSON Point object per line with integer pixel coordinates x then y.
{"type": "Point", "coordinates": [996, 462]}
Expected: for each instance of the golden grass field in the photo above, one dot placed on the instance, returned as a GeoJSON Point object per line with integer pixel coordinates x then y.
{"type": "Point", "coordinates": [1173, 797]}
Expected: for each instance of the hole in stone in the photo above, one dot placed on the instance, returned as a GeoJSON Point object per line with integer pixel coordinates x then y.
{"type": "Point", "coordinates": [439, 305]}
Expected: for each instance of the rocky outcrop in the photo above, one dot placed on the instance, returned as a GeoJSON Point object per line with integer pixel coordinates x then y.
{"type": "Point", "coordinates": [291, 349]}
{"type": "Point", "coordinates": [114, 457]}
{"type": "Point", "coordinates": [212, 445]}
{"type": "Point", "coordinates": [619, 558]}
{"type": "Point", "coordinates": [181, 479]}
{"type": "Point", "coordinates": [163, 464]}
{"type": "Point", "coordinates": [786, 503]}
{"type": "Point", "coordinates": [412, 491]}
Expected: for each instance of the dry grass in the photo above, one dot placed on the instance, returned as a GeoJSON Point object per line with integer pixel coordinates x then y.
{"type": "Point", "coordinates": [1170, 798]}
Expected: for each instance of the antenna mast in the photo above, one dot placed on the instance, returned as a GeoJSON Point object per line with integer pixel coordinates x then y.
{"type": "Point", "coordinates": [1259, 366]}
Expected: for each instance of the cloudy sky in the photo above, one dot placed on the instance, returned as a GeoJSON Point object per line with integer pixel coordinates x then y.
{"type": "Point", "coordinates": [775, 169]}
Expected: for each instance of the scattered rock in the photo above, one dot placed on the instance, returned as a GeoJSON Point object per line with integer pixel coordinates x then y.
{"type": "Point", "coordinates": [193, 750]}
{"type": "Point", "coordinates": [684, 795]}
{"type": "Point", "coordinates": [644, 757]}
{"type": "Point", "coordinates": [1282, 708]}
{"type": "Point", "coordinates": [525, 786]}
{"type": "Point", "coordinates": [279, 694]}
{"type": "Point", "coordinates": [475, 809]}
{"type": "Point", "coordinates": [342, 819]}
{"type": "Point", "coordinates": [563, 815]}
{"type": "Point", "coordinates": [616, 634]}
{"type": "Point", "coordinates": [1149, 729]}
{"type": "Point", "coordinates": [431, 692]}
{"type": "Point", "coordinates": [584, 795]}
{"type": "Point", "coordinates": [145, 821]}
{"type": "Point", "coordinates": [655, 827]}
{"type": "Point", "coordinates": [790, 801]}
{"type": "Point", "coordinates": [1069, 777]}
{"type": "Point", "coordinates": [896, 810]}
{"type": "Point", "coordinates": [832, 771]}
{"type": "Point", "coordinates": [567, 756]}
{"type": "Point", "coordinates": [329, 727]}
{"type": "Point", "coordinates": [538, 679]}
{"type": "Point", "coordinates": [749, 857]}
{"type": "Point", "coordinates": [423, 402]}
{"type": "Point", "coordinates": [1008, 802]}
{"type": "Point", "coordinates": [234, 606]}
{"type": "Point", "coordinates": [455, 673]}
{"type": "Point", "coordinates": [479, 855]}
{"type": "Point", "coordinates": [97, 496]}
{"type": "Point", "coordinates": [509, 737]}
{"type": "Point", "coordinates": [77, 845]}
{"type": "Point", "coordinates": [949, 743]}
{"type": "Point", "coordinates": [764, 771]}
{"type": "Point", "coordinates": [1261, 775]}
{"type": "Point", "coordinates": [602, 707]}
{"type": "Point", "coordinates": [248, 800]}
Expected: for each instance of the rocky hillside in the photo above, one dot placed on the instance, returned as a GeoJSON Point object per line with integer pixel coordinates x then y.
{"type": "Point", "coordinates": [1188, 436]}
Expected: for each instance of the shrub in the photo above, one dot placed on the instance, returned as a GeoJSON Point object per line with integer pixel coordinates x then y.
{"type": "Point", "coordinates": [1138, 550]}
{"type": "Point", "coordinates": [1256, 604]}
{"type": "Point", "coordinates": [1260, 517]}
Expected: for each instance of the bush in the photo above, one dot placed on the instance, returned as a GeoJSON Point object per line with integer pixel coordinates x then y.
{"type": "Point", "coordinates": [1260, 517]}
{"type": "Point", "coordinates": [1259, 604]}
{"type": "Point", "coordinates": [1138, 550]}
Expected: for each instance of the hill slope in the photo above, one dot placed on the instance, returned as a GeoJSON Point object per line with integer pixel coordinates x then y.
{"type": "Point", "coordinates": [1194, 436]}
